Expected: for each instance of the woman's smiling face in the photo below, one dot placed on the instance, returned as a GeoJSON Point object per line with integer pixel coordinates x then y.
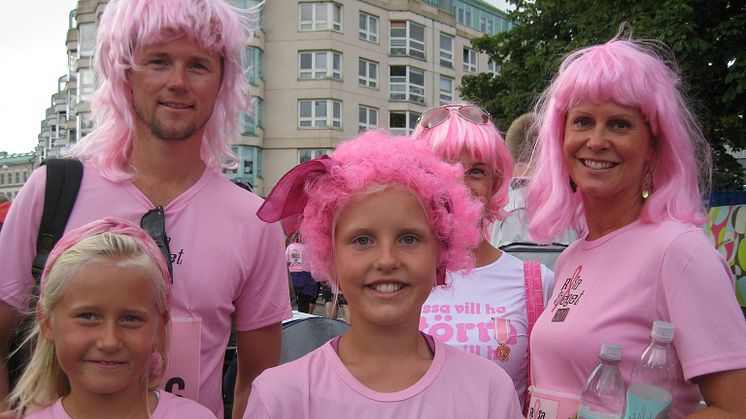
{"type": "Point", "coordinates": [607, 148]}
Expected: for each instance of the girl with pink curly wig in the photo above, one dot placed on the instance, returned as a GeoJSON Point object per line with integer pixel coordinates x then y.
{"type": "Point", "coordinates": [102, 326]}
{"type": "Point", "coordinates": [465, 133]}
{"type": "Point", "coordinates": [622, 157]}
{"type": "Point", "coordinates": [383, 219]}
{"type": "Point", "coordinates": [129, 26]}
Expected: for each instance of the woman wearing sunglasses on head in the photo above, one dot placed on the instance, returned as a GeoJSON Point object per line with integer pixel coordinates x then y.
{"type": "Point", "coordinates": [622, 158]}
{"type": "Point", "coordinates": [488, 312]}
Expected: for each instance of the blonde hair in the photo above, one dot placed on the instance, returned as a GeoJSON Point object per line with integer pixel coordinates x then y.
{"type": "Point", "coordinates": [43, 381]}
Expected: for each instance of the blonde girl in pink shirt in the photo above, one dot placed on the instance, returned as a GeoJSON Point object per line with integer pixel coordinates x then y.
{"type": "Point", "coordinates": [101, 330]}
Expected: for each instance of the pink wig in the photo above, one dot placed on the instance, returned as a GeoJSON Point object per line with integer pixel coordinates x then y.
{"type": "Point", "coordinates": [628, 74]}
{"type": "Point", "coordinates": [129, 24]}
{"type": "Point", "coordinates": [375, 160]}
{"type": "Point", "coordinates": [483, 142]}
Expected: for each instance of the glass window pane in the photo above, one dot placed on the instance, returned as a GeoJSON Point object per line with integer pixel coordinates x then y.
{"type": "Point", "coordinates": [320, 60]}
{"type": "Point", "coordinates": [397, 120]}
{"type": "Point", "coordinates": [417, 32]}
{"type": "Point", "coordinates": [372, 71]}
{"type": "Point", "coordinates": [320, 108]}
{"type": "Point", "coordinates": [337, 61]}
{"type": "Point", "coordinates": [305, 109]}
{"type": "Point", "coordinates": [305, 60]}
{"type": "Point", "coordinates": [361, 67]}
{"type": "Point", "coordinates": [336, 110]}
{"type": "Point", "coordinates": [363, 22]}
{"type": "Point", "coordinates": [306, 11]}
{"type": "Point", "coordinates": [373, 117]}
{"type": "Point", "coordinates": [362, 115]}
{"type": "Point", "coordinates": [398, 70]}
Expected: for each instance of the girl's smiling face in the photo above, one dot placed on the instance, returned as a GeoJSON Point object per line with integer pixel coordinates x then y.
{"type": "Point", "coordinates": [606, 149]}
{"type": "Point", "coordinates": [385, 257]}
{"type": "Point", "coordinates": [104, 328]}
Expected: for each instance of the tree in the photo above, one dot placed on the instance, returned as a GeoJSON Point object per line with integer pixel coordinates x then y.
{"type": "Point", "coordinates": [705, 36]}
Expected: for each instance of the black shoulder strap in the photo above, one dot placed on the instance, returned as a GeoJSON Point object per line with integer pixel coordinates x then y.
{"type": "Point", "coordinates": [63, 182]}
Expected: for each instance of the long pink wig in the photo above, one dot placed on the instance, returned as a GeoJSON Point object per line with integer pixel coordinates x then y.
{"type": "Point", "coordinates": [373, 161]}
{"type": "Point", "coordinates": [483, 142]}
{"type": "Point", "coordinates": [130, 24]}
{"type": "Point", "coordinates": [629, 74]}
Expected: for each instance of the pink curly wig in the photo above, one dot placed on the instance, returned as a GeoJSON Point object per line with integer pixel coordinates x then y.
{"type": "Point", "coordinates": [129, 24]}
{"type": "Point", "coordinates": [374, 160]}
{"type": "Point", "coordinates": [483, 142]}
{"type": "Point", "coordinates": [629, 74]}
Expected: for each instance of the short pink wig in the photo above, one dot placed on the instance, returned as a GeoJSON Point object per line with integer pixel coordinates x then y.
{"type": "Point", "coordinates": [129, 24]}
{"type": "Point", "coordinates": [483, 142]}
{"type": "Point", "coordinates": [375, 160]}
{"type": "Point", "coordinates": [629, 74]}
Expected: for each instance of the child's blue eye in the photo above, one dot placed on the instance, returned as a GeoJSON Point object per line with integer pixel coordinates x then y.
{"type": "Point", "coordinates": [409, 239]}
{"type": "Point", "coordinates": [87, 316]}
{"type": "Point", "coordinates": [362, 241]}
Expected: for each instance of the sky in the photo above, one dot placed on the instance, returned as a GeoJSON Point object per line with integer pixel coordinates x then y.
{"type": "Point", "coordinates": [33, 63]}
{"type": "Point", "coordinates": [32, 47]}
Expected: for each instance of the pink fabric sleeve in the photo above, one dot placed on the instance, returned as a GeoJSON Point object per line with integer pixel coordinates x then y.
{"type": "Point", "coordinates": [698, 291]}
{"type": "Point", "coordinates": [18, 241]}
{"type": "Point", "coordinates": [265, 298]}
{"type": "Point", "coordinates": [256, 408]}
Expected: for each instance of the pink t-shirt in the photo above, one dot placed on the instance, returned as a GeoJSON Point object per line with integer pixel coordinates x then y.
{"type": "Point", "coordinates": [295, 255]}
{"type": "Point", "coordinates": [462, 314]}
{"type": "Point", "coordinates": [456, 385]}
{"type": "Point", "coordinates": [227, 263]}
{"type": "Point", "coordinates": [169, 407]}
{"type": "Point", "coordinates": [613, 288]}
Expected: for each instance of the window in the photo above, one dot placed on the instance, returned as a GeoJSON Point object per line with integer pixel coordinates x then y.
{"type": "Point", "coordinates": [18, 177]}
{"type": "Point", "coordinates": [470, 60]}
{"type": "Point", "coordinates": [86, 84]}
{"type": "Point", "coordinates": [367, 118]}
{"type": "Point", "coordinates": [407, 84]}
{"type": "Point", "coordinates": [251, 62]}
{"type": "Point", "coordinates": [320, 17]}
{"type": "Point", "coordinates": [87, 40]}
{"type": "Point", "coordinates": [486, 25]}
{"type": "Point", "coordinates": [407, 38]}
{"type": "Point", "coordinates": [306, 154]}
{"type": "Point", "coordinates": [249, 124]}
{"type": "Point", "coordinates": [368, 27]}
{"type": "Point", "coordinates": [446, 90]}
{"type": "Point", "coordinates": [402, 123]}
{"type": "Point", "coordinates": [367, 73]}
{"type": "Point", "coordinates": [493, 68]}
{"type": "Point", "coordinates": [321, 113]}
{"type": "Point", "coordinates": [446, 51]}
{"type": "Point", "coordinates": [320, 65]}
{"type": "Point", "coordinates": [2, 178]}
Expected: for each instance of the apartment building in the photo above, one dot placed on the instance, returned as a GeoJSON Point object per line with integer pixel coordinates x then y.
{"type": "Point", "coordinates": [320, 72]}
{"type": "Point", "coordinates": [15, 169]}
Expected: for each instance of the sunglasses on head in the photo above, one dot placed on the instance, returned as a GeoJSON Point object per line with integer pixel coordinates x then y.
{"type": "Point", "coordinates": [435, 116]}
{"type": "Point", "coordinates": [154, 223]}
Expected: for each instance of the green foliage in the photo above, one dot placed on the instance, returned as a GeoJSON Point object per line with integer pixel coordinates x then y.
{"type": "Point", "coordinates": [706, 37]}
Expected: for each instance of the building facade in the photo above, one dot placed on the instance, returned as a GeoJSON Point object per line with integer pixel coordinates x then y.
{"type": "Point", "coordinates": [320, 73]}
{"type": "Point", "coordinates": [15, 169]}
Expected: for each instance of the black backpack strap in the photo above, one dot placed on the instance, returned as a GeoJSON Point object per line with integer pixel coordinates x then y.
{"type": "Point", "coordinates": [63, 183]}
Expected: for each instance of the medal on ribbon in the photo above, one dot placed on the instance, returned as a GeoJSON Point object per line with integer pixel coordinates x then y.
{"type": "Point", "coordinates": [502, 330]}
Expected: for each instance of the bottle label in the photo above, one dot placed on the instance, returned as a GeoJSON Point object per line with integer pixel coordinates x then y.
{"type": "Point", "coordinates": [647, 402]}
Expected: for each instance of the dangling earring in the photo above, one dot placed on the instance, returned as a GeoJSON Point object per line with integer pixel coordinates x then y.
{"type": "Point", "coordinates": [647, 184]}
{"type": "Point", "coordinates": [573, 186]}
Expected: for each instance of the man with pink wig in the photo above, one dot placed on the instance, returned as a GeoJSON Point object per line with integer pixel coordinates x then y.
{"type": "Point", "coordinates": [170, 86]}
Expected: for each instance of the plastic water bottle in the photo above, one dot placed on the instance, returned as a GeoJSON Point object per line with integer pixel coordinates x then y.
{"type": "Point", "coordinates": [603, 393]}
{"type": "Point", "coordinates": [653, 379]}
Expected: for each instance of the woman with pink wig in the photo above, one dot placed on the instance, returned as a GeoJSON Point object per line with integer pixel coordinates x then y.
{"type": "Point", "coordinates": [383, 219]}
{"type": "Point", "coordinates": [101, 332]}
{"type": "Point", "coordinates": [491, 310]}
{"type": "Point", "coordinates": [622, 158]}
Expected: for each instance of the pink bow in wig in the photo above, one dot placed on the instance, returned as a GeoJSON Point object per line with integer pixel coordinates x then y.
{"type": "Point", "coordinates": [106, 225]}
{"type": "Point", "coordinates": [287, 200]}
